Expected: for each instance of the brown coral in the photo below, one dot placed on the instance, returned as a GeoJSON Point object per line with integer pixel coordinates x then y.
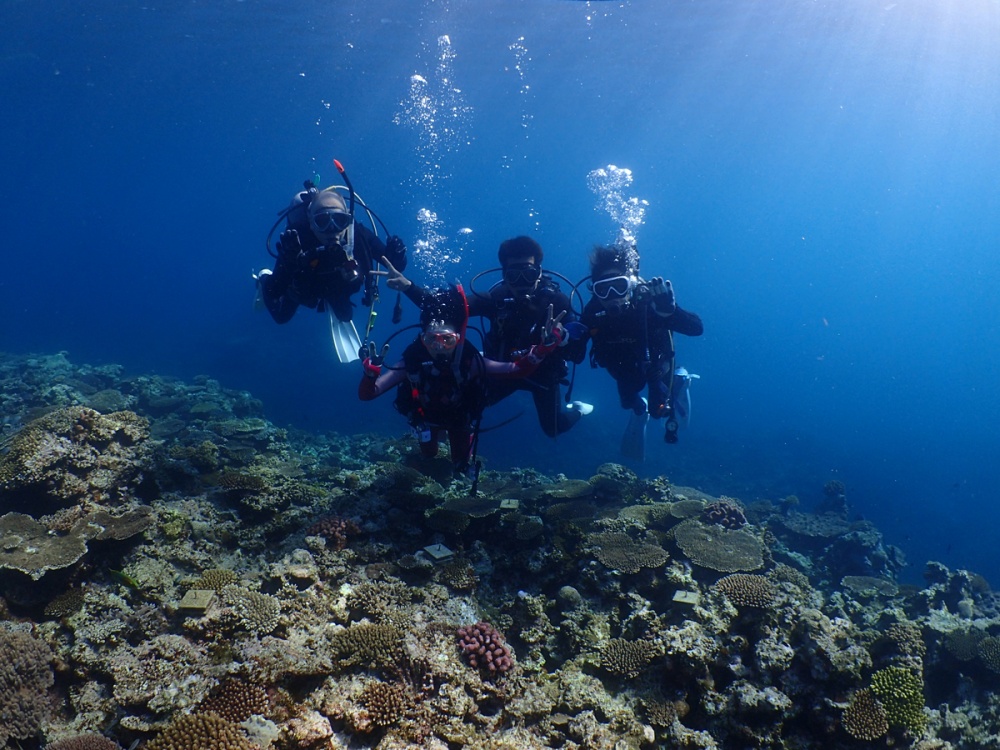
{"type": "Point", "coordinates": [627, 658]}
{"type": "Point", "coordinates": [74, 453]}
{"type": "Point", "coordinates": [719, 549]}
{"type": "Point", "coordinates": [747, 590]}
{"type": "Point", "coordinates": [368, 646]}
{"type": "Point", "coordinates": [257, 612]}
{"type": "Point", "coordinates": [334, 529]}
{"type": "Point", "coordinates": [963, 643]}
{"type": "Point", "coordinates": [620, 552]}
{"type": "Point", "coordinates": [25, 678]}
{"type": "Point", "coordinates": [215, 579]}
{"type": "Point", "coordinates": [385, 702]}
{"type": "Point", "coordinates": [237, 701]}
{"type": "Point", "coordinates": [989, 653]}
{"type": "Point", "coordinates": [724, 512]}
{"type": "Point", "coordinates": [84, 742]}
{"type": "Point", "coordinates": [201, 732]}
{"type": "Point", "coordinates": [865, 718]}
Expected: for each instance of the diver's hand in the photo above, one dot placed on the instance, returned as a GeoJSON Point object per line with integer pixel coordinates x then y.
{"type": "Point", "coordinates": [394, 278]}
{"type": "Point", "coordinates": [289, 244]}
{"type": "Point", "coordinates": [371, 359]}
{"type": "Point", "coordinates": [662, 290]}
{"type": "Point", "coordinates": [554, 333]}
{"type": "Point", "coordinates": [395, 250]}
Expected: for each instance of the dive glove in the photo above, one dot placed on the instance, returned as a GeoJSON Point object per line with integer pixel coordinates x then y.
{"type": "Point", "coordinates": [371, 359]}
{"type": "Point", "coordinates": [395, 252]}
{"type": "Point", "coordinates": [663, 296]}
{"type": "Point", "coordinates": [289, 244]}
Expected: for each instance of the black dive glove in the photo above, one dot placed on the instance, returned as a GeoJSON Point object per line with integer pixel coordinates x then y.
{"type": "Point", "coordinates": [395, 252]}
{"type": "Point", "coordinates": [664, 303]}
{"type": "Point", "coordinates": [289, 245]}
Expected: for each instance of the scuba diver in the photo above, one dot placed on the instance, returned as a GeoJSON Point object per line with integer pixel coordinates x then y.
{"type": "Point", "coordinates": [441, 379]}
{"type": "Point", "coordinates": [631, 323]}
{"type": "Point", "coordinates": [323, 257]}
{"type": "Point", "coordinates": [517, 310]}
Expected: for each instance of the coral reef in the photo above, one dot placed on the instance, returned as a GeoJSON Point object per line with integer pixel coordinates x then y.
{"type": "Point", "coordinates": [177, 572]}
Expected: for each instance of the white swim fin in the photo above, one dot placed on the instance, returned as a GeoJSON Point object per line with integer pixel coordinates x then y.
{"type": "Point", "coordinates": [634, 439]}
{"type": "Point", "coordinates": [345, 339]}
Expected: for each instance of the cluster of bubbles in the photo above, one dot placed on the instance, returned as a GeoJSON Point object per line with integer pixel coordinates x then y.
{"type": "Point", "coordinates": [610, 185]}
{"type": "Point", "coordinates": [520, 66]}
{"type": "Point", "coordinates": [430, 251]}
{"type": "Point", "coordinates": [435, 108]}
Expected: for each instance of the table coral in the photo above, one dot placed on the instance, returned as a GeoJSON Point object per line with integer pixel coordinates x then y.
{"type": "Point", "coordinates": [719, 549]}
{"type": "Point", "coordinates": [623, 553]}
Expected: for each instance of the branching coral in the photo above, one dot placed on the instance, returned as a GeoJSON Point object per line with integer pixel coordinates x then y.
{"type": "Point", "coordinates": [865, 718]}
{"type": "Point", "coordinates": [201, 732]}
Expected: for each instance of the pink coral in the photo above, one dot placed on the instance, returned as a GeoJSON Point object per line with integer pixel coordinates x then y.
{"type": "Point", "coordinates": [484, 647]}
{"type": "Point", "coordinates": [334, 529]}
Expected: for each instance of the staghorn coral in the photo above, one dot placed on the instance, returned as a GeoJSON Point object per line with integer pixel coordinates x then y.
{"type": "Point", "coordinates": [902, 694]}
{"type": "Point", "coordinates": [747, 590]}
{"type": "Point", "coordinates": [25, 679]}
{"type": "Point", "coordinates": [201, 732]}
{"type": "Point", "coordinates": [74, 453]}
{"type": "Point", "coordinates": [257, 612]}
{"type": "Point", "coordinates": [620, 552]}
{"type": "Point", "coordinates": [725, 512]}
{"type": "Point", "coordinates": [84, 742]}
{"type": "Point", "coordinates": [236, 701]}
{"type": "Point", "coordinates": [385, 702]}
{"type": "Point", "coordinates": [484, 647]}
{"type": "Point", "coordinates": [368, 646]}
{"type": "Point", "coordinates": [627, 658]}
{"type": "Point", "coordinates": [865, 718]}
{"type": "Point", "coordinates": [719, 549]}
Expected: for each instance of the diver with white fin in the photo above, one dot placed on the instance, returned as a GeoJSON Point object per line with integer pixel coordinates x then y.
{"type": "Point", "coordinates": [323, 257]}
{"type": "Point", "coordinates": [631, 323]}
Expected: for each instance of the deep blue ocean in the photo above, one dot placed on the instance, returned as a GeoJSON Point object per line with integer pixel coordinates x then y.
{"type": "Point", "coordinates": [821, 179]}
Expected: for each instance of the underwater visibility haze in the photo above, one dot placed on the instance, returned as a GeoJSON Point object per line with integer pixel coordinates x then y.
{"type": "Point", "coordinates": [817, 179]}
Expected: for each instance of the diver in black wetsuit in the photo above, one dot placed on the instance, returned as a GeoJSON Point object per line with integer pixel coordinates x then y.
{"type": "Point", "coordinates": [631, 324]}
{"type": "Point", "coordinates": [517, 309]}
{"type": "Point", "coordinates": [322, 259]}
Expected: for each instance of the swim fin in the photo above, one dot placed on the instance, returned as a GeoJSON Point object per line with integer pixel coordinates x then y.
{"type": "Point", "coordinates": [345, 339]}
{"type": "Point", "coordinates": [634, 439]}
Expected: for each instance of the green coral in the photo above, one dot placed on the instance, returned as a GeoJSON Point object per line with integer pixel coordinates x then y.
{"type": "Point", "coordinates": [901, 692]}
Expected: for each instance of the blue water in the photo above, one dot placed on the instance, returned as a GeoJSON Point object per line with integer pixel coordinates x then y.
{"type": "Point", "coordinates": [821, 180]}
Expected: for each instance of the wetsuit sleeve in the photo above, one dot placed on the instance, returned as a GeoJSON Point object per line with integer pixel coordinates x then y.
{"type": "Point", "coordinates": [416, 293]}
{"type": "Point", "coordinates": [371, 388]}
{"type": "Point", "coordinates": [686, 322]}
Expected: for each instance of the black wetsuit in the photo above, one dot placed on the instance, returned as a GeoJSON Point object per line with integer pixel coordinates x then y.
{"type": "Point", "coordinates": [515, 324]}
{"type": "Point", "coordinates": [635, 346]}
{"type": "Point", "coordinates": [320, 277]}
